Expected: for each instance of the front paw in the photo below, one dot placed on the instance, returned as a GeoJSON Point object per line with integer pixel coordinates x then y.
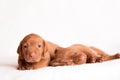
{"type": "Point", "coordinates": [30, 68]}
{"type": "Point", "coordinates": [21, 68]}
{"type": "Point", "coordinates": [25, 68]}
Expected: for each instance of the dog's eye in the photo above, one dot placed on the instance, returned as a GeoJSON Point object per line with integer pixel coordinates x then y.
{"type": "Point", "coordinates": [25, 46]}
{"type": "Point", "coordinates": [39, 46]}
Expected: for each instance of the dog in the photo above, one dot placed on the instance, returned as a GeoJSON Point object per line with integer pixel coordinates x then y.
{"type": "Point", "coordinates": [34, 52]}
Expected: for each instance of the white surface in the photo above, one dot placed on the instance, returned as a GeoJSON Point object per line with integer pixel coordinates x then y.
{"type": "Point", "coordinates": [99, 71]}
{"type": "Point", "coordinates": [64, 22]}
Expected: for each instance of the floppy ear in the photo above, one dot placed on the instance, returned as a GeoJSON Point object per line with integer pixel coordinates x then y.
{"type": "Point", "coordinates": [19, 49]}
{"type": "Point", "coordinates": [45, 49]}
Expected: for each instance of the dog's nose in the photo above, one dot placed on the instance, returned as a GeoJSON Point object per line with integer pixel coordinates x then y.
{"type": "Point", "coordinates": [32, 55]}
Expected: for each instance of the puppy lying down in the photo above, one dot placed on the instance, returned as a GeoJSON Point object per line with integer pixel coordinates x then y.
{"type": "Point", "coordinates": [79, 54]}
{"type": "Point", "coordinates": [34, 52]}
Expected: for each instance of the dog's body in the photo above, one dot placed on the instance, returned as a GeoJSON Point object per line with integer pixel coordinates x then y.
{"type": "Point", "coordinates": [34, 52]}
{"type": "Point", "coordinates": [68, 56]}
{"type": "Point", "coordinates": [90, 53]}
{"type": "Point", "coordinates": [84, 54]}
{"type": "Point", "coordinates": [74, 55]}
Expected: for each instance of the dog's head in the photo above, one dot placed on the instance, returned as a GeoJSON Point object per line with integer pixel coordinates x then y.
{"type": "Point", "coordinates": [32, 48]}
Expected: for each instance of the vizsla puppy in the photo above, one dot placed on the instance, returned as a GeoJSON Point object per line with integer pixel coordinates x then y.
{"type": "Point", "coordinates": [34, 52]}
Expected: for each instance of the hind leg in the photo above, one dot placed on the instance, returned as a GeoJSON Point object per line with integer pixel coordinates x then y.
{"type": "Point", "coordinates": [101, 55]}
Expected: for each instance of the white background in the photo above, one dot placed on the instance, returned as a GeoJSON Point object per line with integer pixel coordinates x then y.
{"type": "Point", "coordinates": [64, 22]}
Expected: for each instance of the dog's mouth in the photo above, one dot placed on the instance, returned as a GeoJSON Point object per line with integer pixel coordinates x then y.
{"type": "Point", "coordinates": [32, 59]}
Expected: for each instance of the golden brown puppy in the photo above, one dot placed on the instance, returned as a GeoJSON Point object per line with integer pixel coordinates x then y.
{"type": "Point", "coordinates": [34, 52]}
{"type": "Point", "coordinates": [103, 56]}
{"type": "Point", "coordinates": [68, 56]}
